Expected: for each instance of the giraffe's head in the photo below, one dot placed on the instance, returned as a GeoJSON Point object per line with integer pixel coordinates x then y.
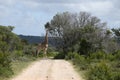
{"type": "Point", "coordinates": [47, 25]}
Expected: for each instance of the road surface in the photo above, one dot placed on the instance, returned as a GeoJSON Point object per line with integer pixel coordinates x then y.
{"type": "Point", "coordinates": [49, 70]}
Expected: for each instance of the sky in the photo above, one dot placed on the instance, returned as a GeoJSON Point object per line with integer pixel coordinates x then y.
{"type": "Point", "coordinates": [30, 16]}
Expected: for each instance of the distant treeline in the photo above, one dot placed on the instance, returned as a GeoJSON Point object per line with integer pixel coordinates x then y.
{"type": "Point", "coordinates": [37, 39]}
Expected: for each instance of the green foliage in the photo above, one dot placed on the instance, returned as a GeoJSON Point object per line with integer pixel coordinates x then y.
{"type": "Point", "coordinates": [117, 34]}
{"type": "Point", "coordinates": [100, 71]}
{"type": "Point", "coordinates": [117, 55]}
{"type": "Point", "coordinates": [5, 71]}
{"type": "Point", "coordinates": [5, 65]}
{"type": "Point", "coordinates": [8, 39]}
{"type": "Point", "coordinates": [51, 49]}
{"type": "Point", "coordinates": [52, 54]}
{"type": "Point", "coordinates": [115, 66]}
{"type": "Point", "coordinates": [18, 53]}
{"type": "Point", "coordinates": [70, 56]}
{"type": "Point", "coordinates": [110, 57]}
{"type": "Point", "coordinates": [9, 42]}
{"type": "Point", "coordinates": [85, 47]}
{"type": "Point", "coordinates": [97, 66]}
{"type": "Point", "coordinates": [73, 28]}
{"type": "Point", "coordinates": [81, 62]}
{"type": "Point", "coordinates": [116, 76]}
{"type": "Point", "coordinates": [98, 55]}
{"type": "Point", "coordinates": [78, 60]}
{"type": "Point", "coordinates": [116, 31]}
{"type": "Point", "coordinates": [29, 50]}
{"type": "Point", "coordinates": [59, 56]}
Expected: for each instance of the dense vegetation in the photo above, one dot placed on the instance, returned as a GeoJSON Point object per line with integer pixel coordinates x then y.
{"type": "Point", "coordinates": [87, 41]}
{"type": "Point", "coordinates": [12, 49]}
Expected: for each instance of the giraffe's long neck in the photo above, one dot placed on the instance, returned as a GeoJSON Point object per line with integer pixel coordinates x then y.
{"type": "Point", "coordinates": [46, 38]}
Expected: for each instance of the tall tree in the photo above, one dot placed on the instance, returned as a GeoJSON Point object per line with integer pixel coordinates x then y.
{"type": "Point", "coordinates": [71, 28]}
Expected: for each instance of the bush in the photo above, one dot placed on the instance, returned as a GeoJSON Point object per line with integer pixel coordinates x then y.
{"type": "Point", "coordinates": [29, 50]}
{"type": "Point", "coordinates": [80, 61]}
{"type": "Point", "coordinates": [5, 65]}
{"type": "Point", "coordinates": [115, 66]}
{"type": "Point", "coordinates": [70, 56]}
{"type": "Point", "coordinates": [52, 54]}
{"type": "Point", "coordinates": [15, 55]}
{"type": "Point", "coordinates": [99, 71]}
{"type": "Point", "coordinates": [60, 56]}
{"type": "Point", "coordinates": [98, 55]}
{"type": "Point", "coordinates": [117, 55]}
{"type": "Point", "coordinates": [5, 71]}
{"type": "Point", "coordinates": [18, 53]}
{"type": "Point", "coordinates": [110, 57]}
{"type": "Point", "coordinates": [116, 76]}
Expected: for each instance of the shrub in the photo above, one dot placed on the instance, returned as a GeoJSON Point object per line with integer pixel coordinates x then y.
{"type": "Point", "coordinates": [29, 50]}
{"type": "Point", "coordinates": [98, 55]}
{"type": "Point", "coordinates": [52, 54]}
{"type": "Point", "coordinates": [118, 65]}
{"type": "Point", "coordinates": [51, 49]}
{"type": "Point", "coordinates": [80, 61]}
{"type": "Point", "coordinates": [60, 56]}
{"type": "Point", "coordinates": [70, 56]}
{"type": "Point", "coordinates": [117, 55]}
{"type": "Point", "coordinates": [99, 71]}
{"type": "Point", "coordinates": [18, 53]}
{"type": "Point", "coordinates": [5, 65]}
{"type": "Point", "coordinates": [115, 66]}
{"type": "Point", "coordinates": [15, 55]}
{"type": "Point", "coordinates": [116, 76]}
{"type": "Point", "coordinates": [110, 57]}
{"type": "Point", "coordinates": [5, 71]}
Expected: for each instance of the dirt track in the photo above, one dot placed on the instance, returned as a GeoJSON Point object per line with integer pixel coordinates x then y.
{"type": "Point", "coordinates": [49, 70]}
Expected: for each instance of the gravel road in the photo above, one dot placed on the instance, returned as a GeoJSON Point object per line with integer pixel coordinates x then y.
{"type": "Point", "coordinates": [49, 70]}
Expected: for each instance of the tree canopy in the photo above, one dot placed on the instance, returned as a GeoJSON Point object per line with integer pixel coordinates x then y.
{"type": "Point", "coordinates": [71, 29]}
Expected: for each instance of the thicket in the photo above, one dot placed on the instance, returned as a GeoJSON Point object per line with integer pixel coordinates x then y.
{"type": "Point", "coordinates": [12, 48]}
{"type": "Point", "coordinates": [7, 40]}
{"type": "Point", "coordinates": [97, 66]}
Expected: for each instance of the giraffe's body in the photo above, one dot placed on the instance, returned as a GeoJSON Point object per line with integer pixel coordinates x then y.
{"type": "Point", "coordinates": [43, 46]}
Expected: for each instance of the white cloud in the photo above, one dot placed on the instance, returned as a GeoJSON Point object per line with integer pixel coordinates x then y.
{"type": "Point", "coordinates": [7, 2]}
{"type": "Point", "coordinates": [33, 14]}
{"type": "Point", "coordinates": [94, 7]}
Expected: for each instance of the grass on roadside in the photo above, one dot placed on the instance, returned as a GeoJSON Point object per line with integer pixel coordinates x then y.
{"type": "Point", "coordinates": [18, 65]}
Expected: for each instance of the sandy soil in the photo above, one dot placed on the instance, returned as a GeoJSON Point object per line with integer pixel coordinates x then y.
{"type": "Point", "coordinates": [49, 70]}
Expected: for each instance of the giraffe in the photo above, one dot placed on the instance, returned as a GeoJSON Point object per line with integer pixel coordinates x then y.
{"type": "Point", "coordinates": [43, 46]}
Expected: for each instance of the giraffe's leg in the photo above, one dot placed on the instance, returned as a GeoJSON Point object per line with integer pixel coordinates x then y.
{"type": "Point", "coordinates": [45, 52]}
{"type": "Point", "coordinates": [37, 52]}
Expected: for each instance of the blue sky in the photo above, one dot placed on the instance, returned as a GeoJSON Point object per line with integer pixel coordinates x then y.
{"type": "Point", "coordinates": [29, 16]}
